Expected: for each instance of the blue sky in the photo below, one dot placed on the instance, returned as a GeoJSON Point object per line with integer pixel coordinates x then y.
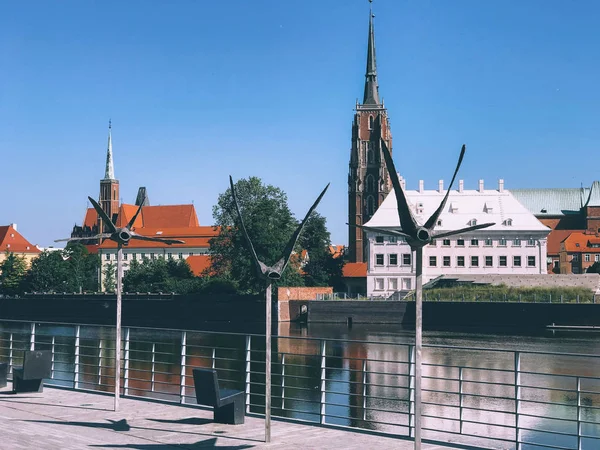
{"type": "Point", "coordinates": [198, 90]}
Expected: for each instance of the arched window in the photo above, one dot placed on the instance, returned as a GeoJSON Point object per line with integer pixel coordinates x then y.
{"type": "Point", "coordinates": [370, 205]}
{"type": "Point", "coordinates": [370, 122]}
{"type": "Point", "coordinates": [370, 153]}
{"type": "Point", "coordinates": [370, 183]}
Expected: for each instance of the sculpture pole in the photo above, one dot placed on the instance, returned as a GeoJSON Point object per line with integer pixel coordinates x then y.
{"type": "Point", "coordinates": [118, 326]}
{"type": "Point", "coordinates": [418, 344]}
{"type": "Point", "coordinates": [268, 364]}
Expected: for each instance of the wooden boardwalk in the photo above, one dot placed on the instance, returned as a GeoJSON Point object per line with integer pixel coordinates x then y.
{"type": "Point", "coordinates": [65, 419]}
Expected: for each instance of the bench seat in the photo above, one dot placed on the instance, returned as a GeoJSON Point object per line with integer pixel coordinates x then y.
{"type": "Point", "coordinates": [228, 404]}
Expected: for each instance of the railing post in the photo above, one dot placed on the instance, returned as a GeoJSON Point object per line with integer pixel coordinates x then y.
{"type": "Point", "coordinates": [248, 361]}
{"type": "Point", "coordinates": [77, 337]}
{"type": "Point", "coordinates": [32, 337]}
{"type": "Point", "coordinates": [364, 391]}
{"type": "Point", "coordinates": [99, 361]}
{"type": "Point", "coordinates": [183, 362]}
{"type": "Point", "coordinates": [153, 371]}
{"type": "Point", "coordinates": [517, 398]}
{"type": "Point", "coordinates": [214, 357]}
{"type": "Point", "coordinates": [283, 381]}
{"type": "Point", "coordinates": [579, 425]}
{"type": "Point", "coordinates": [10, 353]}
{"type": "Point", "coordinates": [460, 397]}
{"type": "Point", "coordinates": [322, 384]}
{"type": "Point", "coordinates": [53, 352]}
{"type": "Point", "coordinates": [411, 389]}
{"type": "Point", "coordinates": [126, 368]}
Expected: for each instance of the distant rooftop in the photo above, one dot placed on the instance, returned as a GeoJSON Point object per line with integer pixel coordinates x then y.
{"type": "Point", "coordinates": [558, 202]}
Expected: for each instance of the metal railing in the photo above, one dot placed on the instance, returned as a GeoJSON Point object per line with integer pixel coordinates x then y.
{"type": "Point", "coordinates": [482, 397]}
{"type": "Point", "coordinates": [470, 297]}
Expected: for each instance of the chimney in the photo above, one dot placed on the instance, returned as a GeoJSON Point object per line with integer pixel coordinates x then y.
{"type": "Point", "coordinates": [421, 186]}
{"type": "Point", "coordinates": [480, 185]}
{"type": "Point", "coordinates": [402, 183]}
{"type": "Point", "coordinates": [441, 186]}
{"type": "Point", "coordinates": [14, 226]}
{"type": "Point", "coordinates": [461, 185]}
{"type": "Point", "coordinates": [500, 185]}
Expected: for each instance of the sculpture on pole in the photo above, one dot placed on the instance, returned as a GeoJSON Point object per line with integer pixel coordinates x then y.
{"type": "Point", "coordinates": [418, 236]}
{"type": "Point", "coordinates": [122, 236]}
{"type": "Point", "coordinates": [270, 273]}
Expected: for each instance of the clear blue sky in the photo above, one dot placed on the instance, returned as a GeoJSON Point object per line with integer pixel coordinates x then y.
{"type": "Point", "coordinates": [198, 90]}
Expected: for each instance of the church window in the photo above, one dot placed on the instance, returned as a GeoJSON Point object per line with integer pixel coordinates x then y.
{"type": "Point", "coordinates": [370, 205]}
{"type": "Point", "coordinates": [370, 122]}
{"type": "Point", "coordinates": [370, 183]}
{"type": "Point", "coordinates": [370, 153]}
{"type": "Point", "coordinates": [115, 194]}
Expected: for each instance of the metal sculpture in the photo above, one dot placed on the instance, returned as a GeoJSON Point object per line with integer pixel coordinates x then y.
{"type": "Point", "coordinates": [270, 273]}
{"type": "Point", "coordinates": [122, 236]}
{"type": "Point", "coordinates": [418, 236]}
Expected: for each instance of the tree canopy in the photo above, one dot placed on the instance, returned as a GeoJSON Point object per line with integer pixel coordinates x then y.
{"type": "Point", "coordinates": [269, 223]}
{"type": "Point", "coordinates": [12, 274]}
{"type": "Point", "coordinates": [161, 275]}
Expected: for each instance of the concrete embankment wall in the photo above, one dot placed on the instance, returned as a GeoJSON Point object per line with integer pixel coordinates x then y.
{"type": "Point", "coordinates": [451, 314]}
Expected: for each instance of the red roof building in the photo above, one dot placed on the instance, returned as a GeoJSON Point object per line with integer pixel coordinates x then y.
{"type": "Point", "coordinates": [13, 242]}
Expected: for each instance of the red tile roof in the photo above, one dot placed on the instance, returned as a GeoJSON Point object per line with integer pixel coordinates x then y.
{"type": "Point", "coordinates": [579, 242]}
{"type": "Point", "coordinates": [555, 238]}
{"type": "Point", "coordinates": [355, 270]}
{"type": "Point", "coordinates": [91, 218]}
{"type": "Point", "coordinates": [336, 250]}
{"type": "Point", "coordinates": [13, 241]}
{"type": "Point", "coordinates": [192, 236]}
{"type": "Point", "coordinates": [162, 216]}
{"type": "Point", "coordinates": [198, 263]}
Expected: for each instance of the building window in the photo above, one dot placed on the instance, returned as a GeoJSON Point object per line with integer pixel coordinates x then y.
{"type": "Point", "coordinates": [531, 261]}
{"type": "Point", "coordinates": [151, 255]}
{"type": "Point", "coordinates": [502, 242]}
{"type": "Point", "coordinates": [531, 242]}
{"type": "Point", "coordinates": [407, 283]}
{"type": "Point", "coordinates": [370, 122]}
{"type": "Point", "coordinates": [370, 205]}
{"type": "Point", "coordinates": [488, 242]}
{"type": "Point", "coordinates": [108, 257]}
{"type": "Point", "coordinates": [393, 284]}
{"type": "Point", "coordinates": [191, 254]}
{"type": "Point", "coordinates": [446, 261]}
{"type": "Point", "coordinates": [433, 261]}
{"type": "Point", "coordinates": [406, 259]}
{"type": "Point", "coordinates": [439, 222]}
{"type": "Point", "coordinates": [379, 239]}
{"type": "Point", "coordinates": [370, 182]}
{"type": "Point", "coordinates": [446, 242]}
{"type": "Point", "coordinates": [134, 255]}
{"type": "Point", "coordinates": [575, 256]}
{"type": "Point", "coordinates": [379, 284]}
{"type": "Point", "coordinates": [474, 242]}
{"type": "Point", "coordinates": [393, 259]}
{"type": "Point", "coordinates": [596, 258]}
{"type": "Point", "coordinates": [125, 256]}
{"type": "Point", "coordinates": [516, 261]}
{"type": "Point", "coordinates": [489, 261]}
{"type": "Point", "coordinates": [143, 255]}
{"type": "Point", "coordinates": [508, 222]}
{"type": "Point", "coordinates": [587, 257]}
{"type": "Point", "coordinates": [460, 242]}
{"type": "Point", "coordinates": [474, 261]}
{"type": "Point", "coordinates": [473, 222]}
{"type": "Point", "coordinates": [180, 256]}
{"type": "Point", "coordinates": [392, 239]}
{"type": "Point", "coordinates": [502, 261]}
{"type": "Point", "coordinates": [516, 242]}
{"type": "Point", "coordinates": [379, 259]}
{"type": "Point", "coordinates": [433, 243]}
{"type": "Point", "coordinates": [170, 255]}
{"type": "Point", "coordinates": [460, 261]}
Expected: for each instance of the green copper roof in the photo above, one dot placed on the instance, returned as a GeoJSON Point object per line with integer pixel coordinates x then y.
{"type": "Point", "coordinates": [552, 202]}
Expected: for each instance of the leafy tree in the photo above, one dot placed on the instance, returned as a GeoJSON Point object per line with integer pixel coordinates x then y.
{"type": "Point", "coordinates": [109, 277]}
{"type": "Point", "coordinates": [594, 268]}
{"type": "Point", "coordinates": [12, 274]}
{"type": "Point", "coordinates": [322, 268]}
{"type": "Point", "coordinates": [83, 268]}
{"type": "Point", "coordinates": [48, 273]}
{"type": "Point", "coordinates": [270, 225]}
{"type": "Point", "coordinates": [160, 275]}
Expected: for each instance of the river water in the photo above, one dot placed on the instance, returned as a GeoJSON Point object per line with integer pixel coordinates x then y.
{"type": "Point", "coordinates": [366, 380]}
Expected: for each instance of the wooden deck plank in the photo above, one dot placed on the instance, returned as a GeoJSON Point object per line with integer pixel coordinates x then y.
{"type": "Point", "coordinates": [67, 420]}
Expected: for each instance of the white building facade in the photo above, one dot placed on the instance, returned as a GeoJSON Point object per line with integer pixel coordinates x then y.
{"type": "Point", "coordinates": [516, 244]}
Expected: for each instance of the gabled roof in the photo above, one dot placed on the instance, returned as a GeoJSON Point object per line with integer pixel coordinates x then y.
{"type": "Point", "coordinates": [355, 270]}
{"type": "Point", "coordinates": [552, 202]}
{"type": "Point", "coordinates": [198, 263]}
{"type": "Point", "coordinates": [193, 237]}
{"type": "Point", "coordinates": [91, 218]}
{"type": "Point", "coordinates": [555, 238]}
{"type": "Point", "coordinates": [13, 241]}
{"type": "Point", "coordinates": [594, 197]}
{"type": "Point", "coordinates": [165, 216]}
{"type": "Point", "coordinates": [336, 250]}
{"type": "Point", "coordinates": [579, 242]}
{"type": "Point", "coordinates": [461, 209]}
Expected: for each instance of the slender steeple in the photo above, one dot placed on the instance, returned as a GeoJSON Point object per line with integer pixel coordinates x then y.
{"type": "Point", "coordinates": [371, 86]}
{"type": "Point", "coordinates": [109, 173]}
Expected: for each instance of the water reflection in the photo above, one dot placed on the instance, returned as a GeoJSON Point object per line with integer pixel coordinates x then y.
{"type": "Point", "coordinates": [329, 373]}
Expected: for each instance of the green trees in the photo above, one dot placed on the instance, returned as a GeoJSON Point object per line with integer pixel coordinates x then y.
{"type": "Point", "coordinates": [270, 223]}
{"type": "Point", "coordinates": [160, 275]}
{"type": "Point", "coordinates": [12, 274]}
{"type": "Point", "coordinates": [594, 268]}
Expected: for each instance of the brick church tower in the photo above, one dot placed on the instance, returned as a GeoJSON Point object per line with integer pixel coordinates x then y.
{"type": "Point", "coordinates": [109, 186]}
{"type": "Point", "coordinates": [368, 180]}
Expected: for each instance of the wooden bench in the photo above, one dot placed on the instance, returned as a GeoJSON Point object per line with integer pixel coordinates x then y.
{"type": "Point", "coordinates": [228, 403]}
{"type": "Point", "coordinates": [37, 365]}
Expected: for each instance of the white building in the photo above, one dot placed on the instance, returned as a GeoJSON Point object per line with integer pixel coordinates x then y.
{"type": "Point", "coordinates": [516, 244]}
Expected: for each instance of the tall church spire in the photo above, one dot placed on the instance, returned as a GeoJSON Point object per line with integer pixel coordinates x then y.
{"type": "Point", "coordinates": [109, 173]}
{"type": "Point", "coordinates": [371, 86]}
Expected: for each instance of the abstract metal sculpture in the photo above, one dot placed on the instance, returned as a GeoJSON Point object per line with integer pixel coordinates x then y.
{"type": "Point", "coordinates": [417, 236]}
{"type": "Point", "coordinates": [270, 273]}
{"type": "Point", "coordinates": [122, 236]}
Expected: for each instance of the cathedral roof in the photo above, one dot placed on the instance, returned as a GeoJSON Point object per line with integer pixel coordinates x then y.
{"type": "Point", "coordinates": [13, 241]}
{"type": "Point", "coordinates": [192, 237]}
{"type": "Point", "coordinates": [161, 216]}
